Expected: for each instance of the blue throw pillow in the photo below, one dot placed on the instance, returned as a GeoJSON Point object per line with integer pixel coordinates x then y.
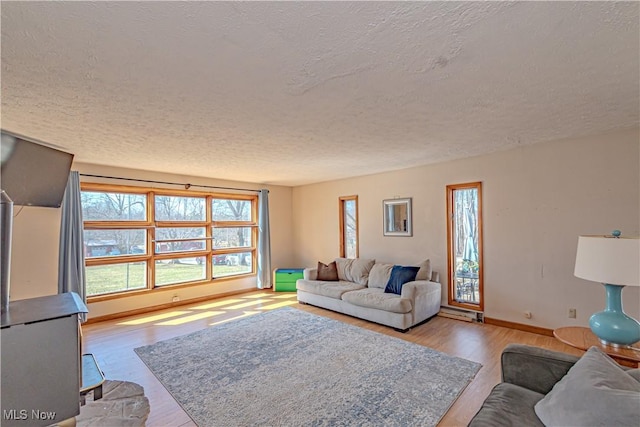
{"type": "Point", "coordinates": [399, 276]}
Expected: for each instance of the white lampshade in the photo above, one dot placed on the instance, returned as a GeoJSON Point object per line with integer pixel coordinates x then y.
{"type": "Point", "coordinates": [607, 259]}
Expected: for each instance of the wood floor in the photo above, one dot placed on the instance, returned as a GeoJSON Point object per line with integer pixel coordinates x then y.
{"type": "Point", "coordinates": [112, 342]}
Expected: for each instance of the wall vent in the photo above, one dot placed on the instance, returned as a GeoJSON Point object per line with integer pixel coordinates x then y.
{"type": "Point", "coordinates": [461, 314]}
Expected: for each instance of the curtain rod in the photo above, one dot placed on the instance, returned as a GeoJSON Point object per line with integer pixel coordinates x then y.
{"type": "Point", "coordinates": [186, 186]}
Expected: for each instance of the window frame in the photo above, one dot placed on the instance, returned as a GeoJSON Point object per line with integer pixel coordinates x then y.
{"type": "Point", "coordinates": [151, 225]}
{"type": "Point", "coordinates": [451, 259]}
{"type": "Point", "coordinates": [343, 229]}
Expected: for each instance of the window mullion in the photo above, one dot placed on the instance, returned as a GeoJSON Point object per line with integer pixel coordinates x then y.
{"type": "Point", "coordinates": [118, 225]}
{"type": "Point", "coordinates": [151, 237]}
{"type": "Point", "coordinates": [209, 234]}
{"type": "Point", "coordinates": [233, 224]}
{"type": "Point", "coordinates": [176, 224]}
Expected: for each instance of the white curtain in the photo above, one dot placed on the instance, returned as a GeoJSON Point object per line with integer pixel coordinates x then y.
{"type": "Point", "coordinates": [71, 276]}
{"type": "Point", "coordinates": [264, 241]}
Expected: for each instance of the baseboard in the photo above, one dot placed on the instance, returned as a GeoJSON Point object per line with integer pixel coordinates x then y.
{"type": "Point", "coordinates": [519, 326]}
{"type": "Point", "coordinates": [149, 309]}
{"type": "Point", "coordinates": [460, 314]}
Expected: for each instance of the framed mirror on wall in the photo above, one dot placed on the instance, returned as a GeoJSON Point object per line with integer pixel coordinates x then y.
{"type": "Point", "coordinates": [397, 217]}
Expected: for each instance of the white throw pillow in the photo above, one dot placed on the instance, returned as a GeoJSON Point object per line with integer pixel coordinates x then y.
{"type": "Point", "coordinates": [354, 270]}
{"type": "Point", "coordinates": [595, 392]}
{"type": "Point", "coordinates": [379, 275]}
{"type": "Point", "coordinates": [425, 270]}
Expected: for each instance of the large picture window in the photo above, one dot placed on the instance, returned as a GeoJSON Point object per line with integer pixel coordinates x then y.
{"type": "Point", "coordinates": [138, 239]}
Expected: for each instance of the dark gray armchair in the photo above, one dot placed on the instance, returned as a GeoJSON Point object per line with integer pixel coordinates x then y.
{"type": "Point", "coordinates": [528, 374]}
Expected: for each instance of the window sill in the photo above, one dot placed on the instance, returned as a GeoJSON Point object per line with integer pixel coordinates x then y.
{"type": "Point", "coordinates": [165, 288]}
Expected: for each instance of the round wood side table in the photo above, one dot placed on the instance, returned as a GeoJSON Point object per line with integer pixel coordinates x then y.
{"type": "Point", "coordinates": [582, 338]}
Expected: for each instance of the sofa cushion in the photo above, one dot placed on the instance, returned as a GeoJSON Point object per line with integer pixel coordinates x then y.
{"type": "Point", "coordinates": [327, 273]}
{"type": "Point", "coordinates": [399, 276]}
{"type": "Point", "coordinates": [508, 405]}
{"type": "Point", "coordinates": [377, 298]}
{"type": "Point", "coordinates": [379, 275]}
{"type": "Point", "coordinates": [596, 392]}
{"type": "Point", "coordinates": [425, 270]}
{"type": "Point", "coordinates": [327, 289]}
{"type": "Point", "coordinates": [354, 269]}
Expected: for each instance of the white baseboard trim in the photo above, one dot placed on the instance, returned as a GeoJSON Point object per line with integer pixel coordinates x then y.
{"type": "Point", "coordinates": [460, 314]}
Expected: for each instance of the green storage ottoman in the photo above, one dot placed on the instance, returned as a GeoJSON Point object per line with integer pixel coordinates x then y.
{"type": "Point", "coordinates": [284, 279]}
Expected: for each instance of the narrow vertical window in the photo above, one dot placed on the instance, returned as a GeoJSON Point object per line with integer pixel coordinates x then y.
{"type": "Point", "coordinates": [464, 244]}
{"type": "Point", "coordinates": [349, 226]}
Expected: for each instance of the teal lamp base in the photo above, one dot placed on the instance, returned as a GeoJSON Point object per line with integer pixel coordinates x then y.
{"type": "Point", "coordinates": [612, 326]}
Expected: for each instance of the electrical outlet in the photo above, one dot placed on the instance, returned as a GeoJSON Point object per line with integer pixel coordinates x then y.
{"type": "Point", "coordinates": [527, 314]}
{"type": "Point", "coordinates": [572, 313]}
{"type": "Point", "coordinates": [175, 298]}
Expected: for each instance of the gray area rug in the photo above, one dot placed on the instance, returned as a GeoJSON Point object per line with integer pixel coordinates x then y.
{"type": "Point", "coordinates": [288, 367]}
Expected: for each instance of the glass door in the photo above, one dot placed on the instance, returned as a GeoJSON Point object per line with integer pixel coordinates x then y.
{"type": "Point", "coordinates": [464, 234]}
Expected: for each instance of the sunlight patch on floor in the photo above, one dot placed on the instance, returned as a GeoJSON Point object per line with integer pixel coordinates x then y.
{"type": "Point", "coordinates": [260, 295]}
{"type": "Point", "coordinates": [289, 295]}
{"type": "Point", "coordinates": [277, 305]}
{"type": "Point", "coordinates": [248, 304]}
{"type": "Point", "coordinates": [216, 304]}
{"type": "Point", "coordinates": [187, 319]}
{"type": "Point", "coordinates": [154, 318]}
{"type": "Point", "coordinates": [246, 314]}
{"type": "Point", "coordinates": [258, 303]}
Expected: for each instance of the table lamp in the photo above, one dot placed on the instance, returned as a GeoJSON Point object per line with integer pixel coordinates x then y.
{"type": "Point", "coordinates": [613, 261]}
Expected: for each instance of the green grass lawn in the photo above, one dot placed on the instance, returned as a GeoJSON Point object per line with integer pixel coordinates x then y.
{"type": "Point", "coordinates": [105, 279]}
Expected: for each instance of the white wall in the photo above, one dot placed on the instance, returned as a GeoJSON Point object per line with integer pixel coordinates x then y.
{"type": "Point", "coordinates": [34, 264]}
{"type": "Point", "coordinates": [537, 200]}
{"type": "Point", "coordinates": [34, 255]}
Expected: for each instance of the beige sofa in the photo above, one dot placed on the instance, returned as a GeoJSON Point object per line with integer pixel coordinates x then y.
{"type": "Point", "coordinates": [359, 292]}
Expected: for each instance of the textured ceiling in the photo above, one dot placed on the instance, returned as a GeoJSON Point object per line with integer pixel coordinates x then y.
{"type": "Point", "coordinates": [298, 92]}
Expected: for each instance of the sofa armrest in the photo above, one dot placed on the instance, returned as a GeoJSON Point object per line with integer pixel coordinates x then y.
{"type": "Point", "coordinates": [435, 276]}
{"type": "Point", "coordinates": [534, 368]}
{"type": "Point", "coordinates": [412, 290]}
{"type": "Point", "coordinates": [310, 274]}
{"type": "Point", "coordinates": [425, 299]}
